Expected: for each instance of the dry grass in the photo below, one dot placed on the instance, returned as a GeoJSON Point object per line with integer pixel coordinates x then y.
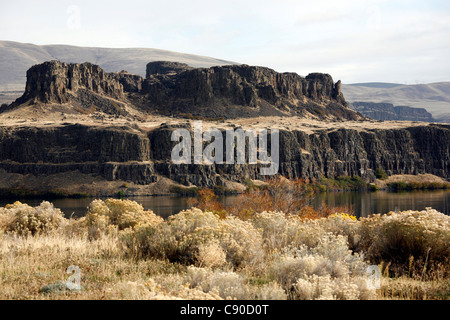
{"type": "Point", "coordinates": [421, 181]}
{"type": "Point", "coordinates": [201, 255]}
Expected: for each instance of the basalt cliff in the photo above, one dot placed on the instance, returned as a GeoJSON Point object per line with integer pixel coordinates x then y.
{"type": "Point", "coordinates": [175, 89]}
{"type": "Point", "coordinates": [77, 125]}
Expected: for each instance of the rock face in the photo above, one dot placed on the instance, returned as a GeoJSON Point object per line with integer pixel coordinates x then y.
{"type": "Point", "coordinates": [176, 89]}
{"type": "Point", "coordinates": [165, 67]}
{"type": "Point", "coordinates": [52, 82]}
{"type": "Point", "coordinates": [242, 91]}
{"type": "Point", "coordinates": [413, 114]}
{"type": "Point", "coordinates": [86, 87]}
{"type": "Point", "coordinates": [130, 82]}
{"type": "Point", "coordinates": [387, 112]}
{"type": "Point", "coordinates": [142, 157]}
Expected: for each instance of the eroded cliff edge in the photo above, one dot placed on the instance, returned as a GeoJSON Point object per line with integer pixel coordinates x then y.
{"type": "Point", "coordinates": [53, 137]}
{"type": "Point", "coordinates": [143, 157]}
{"type": "Point", "coordinates": [174, 89]}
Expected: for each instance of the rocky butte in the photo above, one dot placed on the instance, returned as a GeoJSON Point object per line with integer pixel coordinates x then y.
{"type": "Point", "coordinates": [387, 111]}
{"type": "Point", "coordinates": [78, 129]}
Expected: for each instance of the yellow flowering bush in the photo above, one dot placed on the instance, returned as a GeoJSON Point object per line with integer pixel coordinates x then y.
{"type": "Point", "coordinates": [122, 214]}
{"type": "Point", "coordinates": [22, 219]}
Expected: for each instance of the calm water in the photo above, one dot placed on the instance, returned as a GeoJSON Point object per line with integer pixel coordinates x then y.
{"type": "Point", "coordinates": [363, 204]}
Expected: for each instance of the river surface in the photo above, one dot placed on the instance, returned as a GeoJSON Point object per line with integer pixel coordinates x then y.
{"type": "Point", "coordinates": [363, 204]}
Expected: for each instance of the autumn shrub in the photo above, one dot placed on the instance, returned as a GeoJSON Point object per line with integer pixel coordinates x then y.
{"type": "Point", "coordinates": [408, 240]}
{"type": "Point", "coordinates": [206, 200]}
{"type": "Point", "coordinates": [22, 219]}
{"type": "Point", "coordinates": [278, 194]}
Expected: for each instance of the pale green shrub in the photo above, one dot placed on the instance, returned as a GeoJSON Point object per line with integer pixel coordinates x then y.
{"type": "Point", "coordinates": [22, 219]}
{"type": "Point", "coordinates": [326, 287]}
{"type": "Point", "coordinates": [230, 285]}
{"type": "Point", "coordinates": [345, 225]}
{"type": "Point", "coordinates": [182, 235]}
{"type": "Point", "coordinates": [211, 255]}
{"type": "Point", "coordinates": [280, 231]}
{"type": "Point", "coordinates": [151, 290]}
{"type": "Point", "coordinates": [330, 258]}
{"type": "Point", "coordinates": [410, 237]}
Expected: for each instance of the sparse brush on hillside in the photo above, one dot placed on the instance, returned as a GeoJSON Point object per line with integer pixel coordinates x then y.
{"type": "Point", "coordinates": [187, 236]}
{"type": "Point", "coordinates": [199, 254]}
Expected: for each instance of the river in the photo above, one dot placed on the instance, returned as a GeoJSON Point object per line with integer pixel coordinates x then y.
{"type": "Point", "coordinates": [363, 204]}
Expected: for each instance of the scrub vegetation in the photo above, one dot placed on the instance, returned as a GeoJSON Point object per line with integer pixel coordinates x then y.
{"type": "Point", "coordinates": [277, 249]}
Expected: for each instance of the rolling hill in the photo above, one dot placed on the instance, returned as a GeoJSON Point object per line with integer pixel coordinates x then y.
{"type": "Point", "coordinates": [16, 58]}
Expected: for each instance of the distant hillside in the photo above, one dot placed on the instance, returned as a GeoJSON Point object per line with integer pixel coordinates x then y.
{"type": "Point", "coordinates": [434, 97]}
{"type": "Point", "coordinates": [16, 58]}
{"type": "Point", "coordinates": [383, 85]}
{"type": "Point", "coordinates": [388, 112]}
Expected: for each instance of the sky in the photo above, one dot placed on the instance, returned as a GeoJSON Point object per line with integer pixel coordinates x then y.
{"type": "Point", "coordinates": [400, 41]}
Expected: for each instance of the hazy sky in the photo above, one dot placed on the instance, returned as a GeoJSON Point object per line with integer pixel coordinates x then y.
{"type": "Point", "coordinates": [355, 41]}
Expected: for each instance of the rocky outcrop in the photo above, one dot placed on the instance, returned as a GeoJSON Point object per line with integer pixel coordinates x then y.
{"type": "Point", "coordinates": [143, 157]}
{"type": "Point", "coordinates": [54, 81]}
{"type": "Point", "coordinates": [243, 91]}
{"type": "Point", "coordinates": [165, 67]}
{"type": "Point", "coordinates": [130, 82]}
{"type": "Point", "coordinates": [406, 113]}
{"type": "Point", "coordinates": [86, 87]}
{"type": "Point", "coordinates": [387, 112]}
{"type": "Point", "coordinates": [176, 89]}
